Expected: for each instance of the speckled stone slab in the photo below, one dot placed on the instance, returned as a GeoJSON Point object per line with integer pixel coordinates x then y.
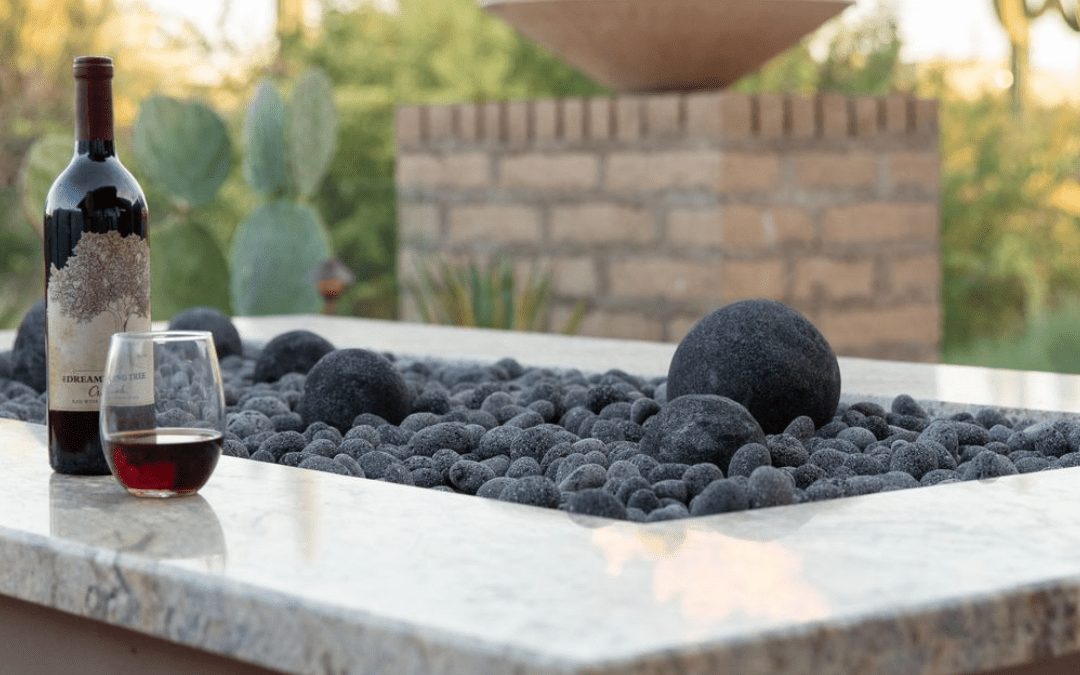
{"type": "Point", "coordinates": [314, 573]}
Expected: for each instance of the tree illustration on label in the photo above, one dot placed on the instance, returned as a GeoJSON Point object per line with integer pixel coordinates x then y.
{"type": "Point", "coordinates": [106, 274]}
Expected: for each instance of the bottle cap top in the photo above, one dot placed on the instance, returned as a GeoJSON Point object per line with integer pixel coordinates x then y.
{"type": "Point", "coordinates": [93, 67]}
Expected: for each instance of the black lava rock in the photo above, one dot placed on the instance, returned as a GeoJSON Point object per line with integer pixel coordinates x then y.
{"type": "Point", "coordinates": [764, 355]}
{"type": "Point", "coordinates": [226, 337]}
{"type": "Point", "coordinates": [292, 352]}
{"type": "Point", "coordinates": [747, 458]}
{"type": "Point", "coordinates": [532, 490]}
{"type": "Point", "coordinates": [348, 382]}
{"type": "Point", "coordinates": [596, 502]}
{"type": "Point", "coordinates": [28, 356]}
{"type": "Point", "coordinates": [770, 486]}
{"type": "Point", "coordinates": [720, 496]}
{"type": "Point", "coordinates": [468, 476]}
{"type": "Point", "coordinates": [700, 428]}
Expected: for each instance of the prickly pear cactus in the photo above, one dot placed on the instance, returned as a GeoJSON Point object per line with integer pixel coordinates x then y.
{"type": "Point", "coordinates": [182, 147]}
{"type": "Point", "coordinates": [274, 256]}
{"type": "Point", "coordinates": [46, 159]}
{"type": "Point", "coordinates": [187, 269]}
{"type": "Point", "coordinates": [266, 164]}
{"type": "Point", "coordinates": [312, 131]}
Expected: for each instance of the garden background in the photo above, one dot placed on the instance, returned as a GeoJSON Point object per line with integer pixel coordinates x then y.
{"type": "Point", "coordinates": [1010, 182]}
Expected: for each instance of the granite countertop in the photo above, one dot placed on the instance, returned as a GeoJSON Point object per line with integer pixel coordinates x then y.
{"type": "Point", "coordinates": [309, 572]}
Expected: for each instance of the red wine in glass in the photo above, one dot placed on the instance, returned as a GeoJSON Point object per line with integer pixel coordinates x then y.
{"type": "Point", "coordinates": [164, 461]}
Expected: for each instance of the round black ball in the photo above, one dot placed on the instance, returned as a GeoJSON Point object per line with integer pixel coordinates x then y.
{"type": "Point", "coordinates": [293, 352]}
{"type": "Point", "coordinates": [28, 355]}
{"type": "Point", "coordinates": [226, 337]}
{"type": "Point", "coordinates": [348, 382]}
{"type": "Point", "coordinates": [764, 355]}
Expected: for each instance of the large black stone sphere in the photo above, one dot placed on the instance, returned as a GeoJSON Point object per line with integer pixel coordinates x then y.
{"type": "Point", "coordinates": [293, 352]}
{"type": "Point", "coordinates": [226, 338]}
{"type": "Point", "coordinates": [764, 355]}
{"type": "Point", "coordinates": [348, 382]}
{"type": "Point", "coordinates": [28, 356]}
{"type": "Point", "coordinates": [700, 428]}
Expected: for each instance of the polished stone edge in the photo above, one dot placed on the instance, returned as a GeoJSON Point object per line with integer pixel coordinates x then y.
{"type": "Point", "coordinates": [254, 624]}
{"type": "Point", "coordinates": [259, 625]}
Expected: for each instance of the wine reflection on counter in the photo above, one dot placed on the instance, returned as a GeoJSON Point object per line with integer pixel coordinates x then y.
{"type": "Point", "coordinates": [99, 512]}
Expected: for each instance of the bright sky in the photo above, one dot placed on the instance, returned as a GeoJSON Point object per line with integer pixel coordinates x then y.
{"type": "Point", "coordinates": [953, 29]}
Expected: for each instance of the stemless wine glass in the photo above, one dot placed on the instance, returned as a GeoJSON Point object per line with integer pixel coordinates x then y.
{"type": "Point", "coordinates": [162, 411]}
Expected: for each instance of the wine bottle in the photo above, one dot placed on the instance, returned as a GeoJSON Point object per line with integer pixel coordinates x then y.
{"type": "Point", "coordinates": [97, 271]}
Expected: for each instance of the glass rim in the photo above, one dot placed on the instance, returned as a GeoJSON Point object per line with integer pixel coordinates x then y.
{"type": "Point", "coordinates": [163, 335]}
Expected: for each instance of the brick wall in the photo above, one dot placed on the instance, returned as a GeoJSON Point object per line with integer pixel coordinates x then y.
{"type": "Point", "coordinates": [655, 210]}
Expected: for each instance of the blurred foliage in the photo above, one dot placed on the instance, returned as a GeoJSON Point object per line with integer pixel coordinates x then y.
{"type": "Point", "coordinates": [429, 51]}
{"type": "Point", "coordinates": [858, 59]}
{"type": "Point", "coordinates": [487, 297]}
{"type": "Point", "coordinates": [1049, 342]}
{"type": "Point", "coordinates": [1010, 237]}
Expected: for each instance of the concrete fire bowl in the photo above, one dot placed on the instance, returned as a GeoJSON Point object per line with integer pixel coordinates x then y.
{"type": "Point", "coordinates": [665, 45]}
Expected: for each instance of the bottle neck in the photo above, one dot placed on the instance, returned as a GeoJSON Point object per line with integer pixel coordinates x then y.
{"type": "Point", "coordinates": [94, 116]}
{"type": "Point", "coordinates": [97, 149]}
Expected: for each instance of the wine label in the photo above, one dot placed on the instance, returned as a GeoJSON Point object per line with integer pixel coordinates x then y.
{"type": "Point", "coordinates": [103, 289]}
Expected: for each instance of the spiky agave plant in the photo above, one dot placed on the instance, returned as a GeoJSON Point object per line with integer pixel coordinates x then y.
{"type": "Point", "coordinates": [487, 297]}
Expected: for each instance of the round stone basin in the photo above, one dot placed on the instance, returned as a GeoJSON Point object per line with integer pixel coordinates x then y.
{"type": "Point", "coordinates": [665, 45]}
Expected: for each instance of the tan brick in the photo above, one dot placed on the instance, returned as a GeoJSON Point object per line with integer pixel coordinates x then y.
{"type": "Point", "coordinates": [789, 225]}
{"type": "Point", "coordinates": [679, 169]}
{"type": "Point", "coordinates": [859, 328]}
{"type": "Point", "coordinates": [835, 122]}
{"type": "Point", "coordinates": [743, 171]}
{"type": "Point", "coordinates": [743, 227]}
{"type": "Point", "coordinates": [599, 116]}
{"type": "Point", "coordinates": [544, 120]}
{"type": "Point", "coordinates": [492, 126]}
{"type": "Point", "coordinates": [419, 224]}
{"type": "Point", "coordinates": [881, 222]}
{"type": "Point", "coordinates": [771, 115]}
{"type": "Point", "coordinates": [803, 117]}
{"type": "Point", "coordinates": [563, 171]}
{"type": "Point", "coordinates": [573, 120]}
{"type": "Point", "coordinates": [662, 115]}
{"type": "Point", "coordinates": [926, 115]}
{"type": "Point", "coordinates": [493, 224]}
{"type": "Point", "coordinates": [915, 169]}
{"type": "Point", "coordinates": [407, 126]}
{"type": "Point", "coordinates": [468, 122]}
{"type": "Point", "coordinates": [833, 280]}
{"type": "Point", "coordinates": [697, 227]}
{"type": "Point", "coordinates": [612, 324]}
{"type": "Point", "coordinates": [628, 118]}
{"type": "Point", "coordinates": [666, 278]}
{"type": "Point", "coordinates": [752, 279]}
{"type": "Point", "coordinates": [574, 276]}
{"type": "Point", "coordinates": [736, 115]}
{"type": "Point", "coordinates": [918, 276]}
{"type": "Point", "coordinates": [678, 327]}
{"type": "Point", "coordinates": [457, 170]}
{"type": "Point", "coordinates": [440, 123]}
{"type": "Point", "coordinates": [836, 170]}
{"type": "Point", "coordinates": [896, 114]}
{"type": "Point", "coordinates": [517, 122]}
{"type": "Point", "coordinates": [602, 223]}
{"type": "Point", "coordinates": [866, 116]}
{"type": "Point", "coordinates": [703, 114]}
